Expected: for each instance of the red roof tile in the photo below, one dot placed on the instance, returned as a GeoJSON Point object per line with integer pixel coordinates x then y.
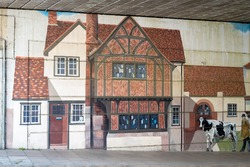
{"type": "Point", "coordinates": [55, 31]}
{"type": "Point", "coordinates": [247, 66]}
{"type": "Point", "coordinates": [29, 80]}
{"type": "Point", "coordinates": [208, 80]}
{"type": "Point", "coordinates": [167, 41]}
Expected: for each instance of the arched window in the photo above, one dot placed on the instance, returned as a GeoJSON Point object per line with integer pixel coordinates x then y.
{"type": "Point", "coordinates": [203, 109]}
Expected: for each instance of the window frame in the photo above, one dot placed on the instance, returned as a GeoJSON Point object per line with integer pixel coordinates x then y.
{"type": "Point", "coordinates": [82, 114]}
{"type": "Point", "coordinates": [124, 73]}
{"type": "Point", "coordinates": [30, 115]}
{"type": "Point", "coordinates": [232, 108]}
{"type": "Point", "coordinates": [67, 67]}
{"type": "Point", "coordinates": [147, 127]}
{"type": "Point", "coordinates": [173, 115]}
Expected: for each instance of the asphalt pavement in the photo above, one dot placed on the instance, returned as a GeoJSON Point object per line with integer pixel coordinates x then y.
{"type": "Point", "coordinates": [104, 158]}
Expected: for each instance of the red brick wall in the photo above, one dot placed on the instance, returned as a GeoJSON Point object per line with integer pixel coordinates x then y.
{"type": "Point", "coordinates": [52, 18]}
{"type": "Point", "coordinates": [158, 85]}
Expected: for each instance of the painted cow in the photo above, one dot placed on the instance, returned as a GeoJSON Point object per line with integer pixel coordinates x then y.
{"type": "Point", "coordinates": [217, 130]}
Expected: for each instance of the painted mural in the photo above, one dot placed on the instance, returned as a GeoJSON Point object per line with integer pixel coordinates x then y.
{"type": "Point", "coordinates": [78, 81]}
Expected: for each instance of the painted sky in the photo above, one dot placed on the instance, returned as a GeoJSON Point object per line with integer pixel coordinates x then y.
{"type": "Point", "coordinates": [58, 13]}
{"type": "Point", "coordinates": [242, 27]}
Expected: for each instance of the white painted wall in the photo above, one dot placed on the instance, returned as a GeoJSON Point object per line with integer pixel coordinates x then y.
{"type": "Point", "coordinates": [29, 136]}
{"type": "Point", "coordinates": [148, 141]}
{"type": "Point", "coordinates": [68, 88]}
{"type": "Point", "coordinates": [77, 136]}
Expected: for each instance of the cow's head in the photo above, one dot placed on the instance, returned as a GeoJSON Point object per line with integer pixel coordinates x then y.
{"type": "Point", "coordinates": [201, 121]}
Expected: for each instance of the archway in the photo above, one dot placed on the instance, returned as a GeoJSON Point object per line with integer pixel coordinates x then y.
{"type": "Point", "coordinates": [203, 108]}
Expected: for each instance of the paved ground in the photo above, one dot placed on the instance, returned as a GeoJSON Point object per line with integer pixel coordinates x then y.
{"type": "Point", "coordinates": [102, 158]}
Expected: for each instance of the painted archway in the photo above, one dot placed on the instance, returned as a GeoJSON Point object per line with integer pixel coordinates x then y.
{"type": "Point", "coordinates": [203, 108]}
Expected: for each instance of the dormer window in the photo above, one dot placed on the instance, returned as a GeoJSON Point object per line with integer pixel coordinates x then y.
{"type": "Point", "coordinates": [66, 66]}
{"type": "Point", "coordinates": [129, 70]}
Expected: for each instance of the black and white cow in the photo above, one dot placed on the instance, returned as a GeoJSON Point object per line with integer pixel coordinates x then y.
{"type": "Point", "coordinates": [217, 130]}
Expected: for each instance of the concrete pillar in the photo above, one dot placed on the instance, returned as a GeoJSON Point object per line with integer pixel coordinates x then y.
{"type": "Point", "coordinates": [2, 93]}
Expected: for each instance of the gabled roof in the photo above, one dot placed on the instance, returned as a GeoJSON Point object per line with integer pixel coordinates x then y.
{"type": "Point", "coordinates": [208, 80]}
{"type": "Point", "coordinates": [130, 38]}
{"type": "Point", "coordinates": [168, 42]}
{"type": "Point", "coordinates": [56, 33]}
{"type": "Point", "coordinates": [29, 80]}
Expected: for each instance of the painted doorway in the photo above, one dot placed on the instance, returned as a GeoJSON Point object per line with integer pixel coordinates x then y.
{"type": "Point", "coordinates": [58, 126]}
{"type": "Point", "coordinates": [202, 110]}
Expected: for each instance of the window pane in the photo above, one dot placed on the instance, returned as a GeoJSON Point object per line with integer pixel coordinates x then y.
{"type": "Point", "coordinates": [144, 121]}
{"type": "Point", "coordinates": [73, 66]}
{"type": "Point", "coordinates": [207, 110]}
{"type": "Point", "coordinates": [130, 71]}
{"type": "Point", "coordinates": [61, 65]}
{"type": "Point", "coordinates": [123, 122]}
{"type": "Point", "coordinates": [141, 71]}
{"type": "Point", "coordinates": [118, 70]}
{"type": "Point", "coordinates": [154, 121]}
{"type": "Point", "coordinates": [58, 110]}
{"type": "Point", "coordinates": [134, 121]}
{"type": "Point", "coordinates": [34, 113]}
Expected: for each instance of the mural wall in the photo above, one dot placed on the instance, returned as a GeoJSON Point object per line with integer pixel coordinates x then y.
{"type": "Point", "coordinates": [76, 81]}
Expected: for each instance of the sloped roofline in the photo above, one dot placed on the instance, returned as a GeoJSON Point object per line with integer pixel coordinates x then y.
{"type": "Point", "coordinates": [61, 37]}
{"type": "Point", "coordinates": [116, 29]}
{"type": "Point", "coordinates": [247, 66]}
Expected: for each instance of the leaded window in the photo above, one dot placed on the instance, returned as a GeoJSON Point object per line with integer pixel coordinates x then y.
{"type": "Point", "coordinates": [141, 121]}
{"type": "Point", "coordinates": [129, 70]}
{"type": "Point", "coordinates": [140, 71]}
{"type": "Point", "coordinates": [118, 70]}
{"type": "Point", "coordinates": [204, 109]}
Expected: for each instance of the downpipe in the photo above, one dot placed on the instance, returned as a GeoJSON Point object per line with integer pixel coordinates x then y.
{"type": "Point", "coordinates": [3, 107]}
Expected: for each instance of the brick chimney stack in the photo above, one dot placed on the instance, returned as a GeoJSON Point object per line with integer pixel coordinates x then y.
{"type": "Point", "coordinates": [52, 18]}
{"type": "Point", "coordinates": [91, 44]}
{"type": "Point", "coordinates": [92, 33]}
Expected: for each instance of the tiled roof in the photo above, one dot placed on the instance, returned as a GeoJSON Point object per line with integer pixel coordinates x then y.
{"type": "Point", "coordinates": [167, 41]}
{"type": "Point", "coordinates": [247, 66]}
{"type": "Point", "coordinates": [208, 80]}
{"type": "Point", "coordinates": [54, 32]}
{"type": "Point", "coordinates": [29, 80]}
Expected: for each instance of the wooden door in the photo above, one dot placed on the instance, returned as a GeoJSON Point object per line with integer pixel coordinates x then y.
{"type": "Point", "coordinates": [202, 110]}
{"type": "Point", "coordinates": [58, 125]}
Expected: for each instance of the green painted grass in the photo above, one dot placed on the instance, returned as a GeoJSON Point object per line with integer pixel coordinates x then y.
{"type": "Point", "coordinates": [227, 145]}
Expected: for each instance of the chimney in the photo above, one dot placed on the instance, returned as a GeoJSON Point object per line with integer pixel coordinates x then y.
{"type": "Point", "coordinates": [52, 18]}
{"type": "Point", "coordinates": [92, 33]}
